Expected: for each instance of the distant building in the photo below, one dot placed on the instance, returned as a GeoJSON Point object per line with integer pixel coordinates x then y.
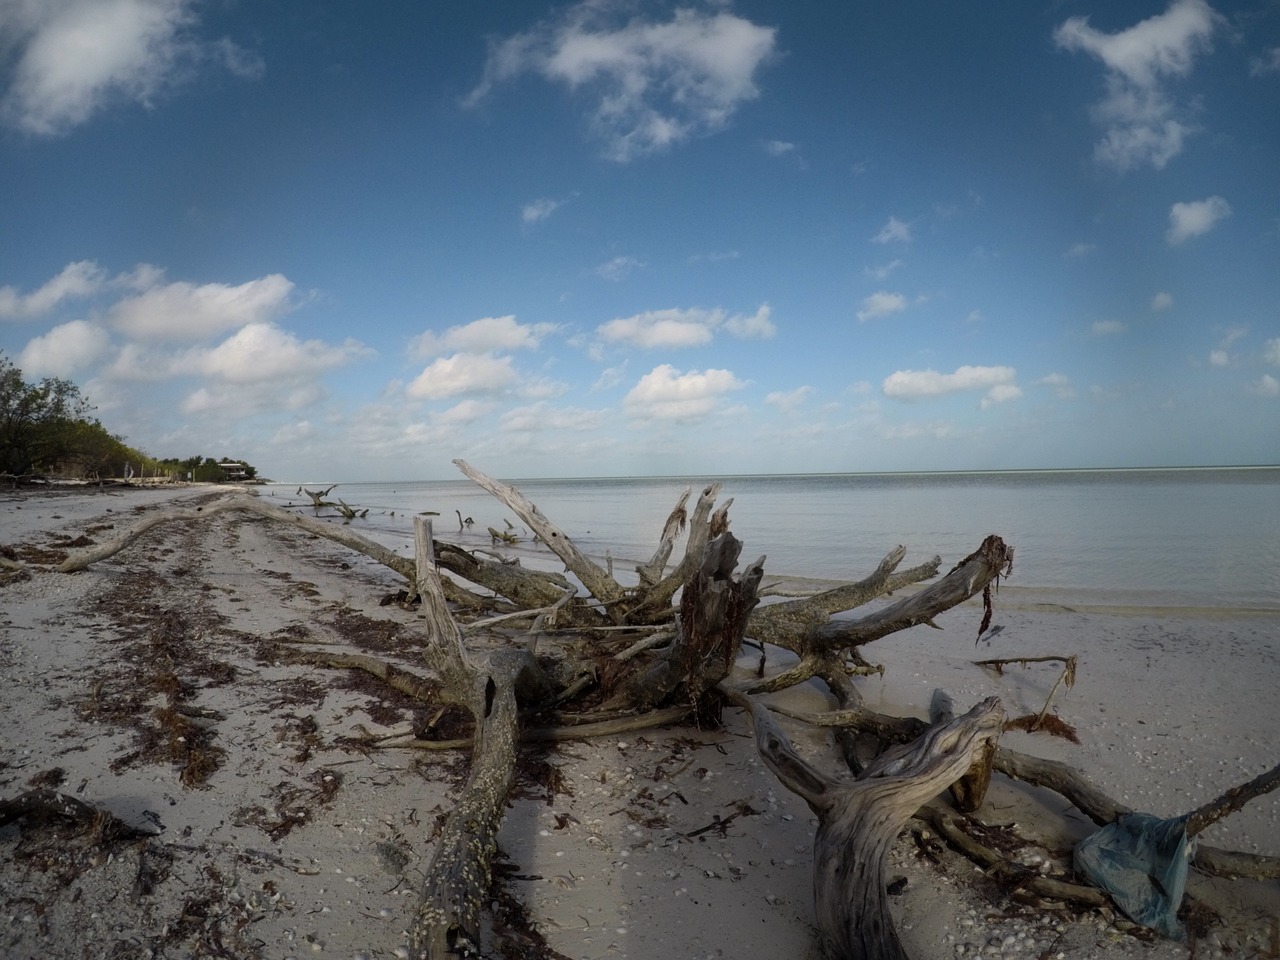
{"type": "Point", "coordinates": [234, 470]}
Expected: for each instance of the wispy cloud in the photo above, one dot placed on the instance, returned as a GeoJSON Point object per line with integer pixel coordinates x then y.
{"type": "Point", "coordinates": [894, 231]}
{"type": "Point", "coordinates": [76, 57]}
{"type": "Point", "coordinates": [1059, 383]}
{"type": "Point", "coordinates": [84, 278]}
{"type": "Point", "coordinates": [619, 268]}
{"type": "Point", "coordinates": [1107, 328]}
{"type": "Point", "coordinates": [789, 399]}
{"type": "Point", "coordinates": [1161, 301]}
{"type": "Point", "coordinates": [651, 83]}
{"type": "Point", "coordinates": [538, 210]}
{"type": "Point", "coordinates": [1187, 220]}
{"type": "Point", "coordinates": [1269, 62]}
{"type": "Point", "coordinates": [882, 303]}
{"type": "Point", "coordinates": [1078, 251]}
{"type": "Point", "coordinates": [1143, 123]}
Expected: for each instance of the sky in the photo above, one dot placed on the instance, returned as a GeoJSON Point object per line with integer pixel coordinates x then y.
{"type": "Point", "coordinates": [349, 241]}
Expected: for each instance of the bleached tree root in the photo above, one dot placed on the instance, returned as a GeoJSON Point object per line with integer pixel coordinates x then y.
{"type": "Point", "coordinates": [859, 819]}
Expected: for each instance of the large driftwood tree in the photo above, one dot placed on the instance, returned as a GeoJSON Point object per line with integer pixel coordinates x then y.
{"type": "Point", "coordinates": [585, 655]}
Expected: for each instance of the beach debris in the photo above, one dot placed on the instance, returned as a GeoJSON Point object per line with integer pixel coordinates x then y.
{"type": "Point", "coordinates": [1043, 720]}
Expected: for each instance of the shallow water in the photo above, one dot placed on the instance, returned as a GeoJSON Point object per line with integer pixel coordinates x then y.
{"type": "Point", "coordinates": [1187, 537]}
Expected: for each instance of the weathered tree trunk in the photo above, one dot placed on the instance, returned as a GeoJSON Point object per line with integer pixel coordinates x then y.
{"type": "Point", "coordinates": [858, 820]}
{"type": "Point", "coordinates": [448, 920]}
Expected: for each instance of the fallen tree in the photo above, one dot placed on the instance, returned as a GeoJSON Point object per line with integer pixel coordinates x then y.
{"type": "Point", "coordinates": [597, 656]}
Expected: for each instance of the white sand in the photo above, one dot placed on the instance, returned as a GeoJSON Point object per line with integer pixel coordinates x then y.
{"type": "Point", "coordinates": [1172, 709]}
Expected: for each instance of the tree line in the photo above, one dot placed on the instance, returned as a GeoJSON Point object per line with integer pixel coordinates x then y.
{"type": "Point", "coordinates": [48, 429]}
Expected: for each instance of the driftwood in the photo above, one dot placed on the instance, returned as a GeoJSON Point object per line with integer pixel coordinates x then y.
{"type": "Point", "coordinates": [859, 819]}
{"type": "Point", "coordinates": [612, 658]}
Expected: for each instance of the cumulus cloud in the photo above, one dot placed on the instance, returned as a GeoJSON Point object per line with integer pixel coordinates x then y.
{"type": "Point", "coordinates": [64, 350]}
{"type": "Point", "coordinates": [1187, 220]}
{"type": "Point", "coordinates": [664, 393]}
{"type": "Point", "coordinates": [789, 399]}
{"type": "Point", "coordinates": [1143, 124]}
{"type": "Point", "coordinates": [997, 382]}
{"type": "Point", "coordinates": [82, 278]}
{"type": "Point", "coordinates": [187, 311]}
{"type": "Point", "coordinates": [685, 328]}
{"type": "Point", "coordinates": [1161, 301]}
{"type": "Point", "coordinates": [482, 336]}
{"type": "Point", "coordinates": [262, 352]}
{"type": "Point", "coordinates": [463, 373]}
{"type": "Point", "coordinates": [649, 84]}
{"type": "Point", "coordinates": [73, 57]}
{"type": "Point", "coordinates": [881, 304]}
{"type": "Point", "coordinates": [894, 231]}
{"type": "Point", "coordinates": [539, 209]}
{"type": "Point", "coordinates": [1107, 328]}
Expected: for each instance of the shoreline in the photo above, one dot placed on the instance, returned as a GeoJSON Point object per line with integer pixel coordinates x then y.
{"type": "Point", "coordinates": [1171, 711]}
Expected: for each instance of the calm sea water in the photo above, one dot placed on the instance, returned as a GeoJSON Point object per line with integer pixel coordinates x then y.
{"type": "Point", "coordinates": [1187, 537]}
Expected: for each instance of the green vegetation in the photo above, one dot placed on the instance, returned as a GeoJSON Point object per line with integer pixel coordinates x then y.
{"type": "Point", "coordinates": [46, 428]}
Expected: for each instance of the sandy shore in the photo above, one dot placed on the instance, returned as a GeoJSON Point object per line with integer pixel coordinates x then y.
{"type": "Point", "coordinates": [150, 686]}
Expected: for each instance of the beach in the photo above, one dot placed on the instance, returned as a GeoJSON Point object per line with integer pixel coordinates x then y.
{"type": "Point", "coordinates": [152, 686]}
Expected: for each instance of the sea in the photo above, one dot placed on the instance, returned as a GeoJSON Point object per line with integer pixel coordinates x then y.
{"type": "Point", "coordinates": [1206, 538]}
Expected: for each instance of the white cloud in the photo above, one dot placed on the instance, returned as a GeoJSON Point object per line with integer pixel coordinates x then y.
{"type": "Point", "coordinates": [263, 353]}
{"type": "Point", "coordinates": [538, 209]}
{"type": "Point", "coordinates": [882, 271]}
{"type": "Point", "coordinates": [1080, 250]}
{"type": "Point", "coordinates": [1142, 122]}
{"type": "Point", "coordinates": [650, 84]}
{"type": "Point", "coordinates": [1219, 358]}
{"type": "Point", "coordinates": [64, 350]}
{"type": "Point", "coordinates": [1269, 62]}
{"type": "Point", "coordinates": [184, 311]}
{"type": "Point", "coordinates": [1059, 383]}
{"type": "Point", "coordinates": [758, 326]}
{"type": "Point", "coordinates": [1107, 328]}
{"type": "Point", "coordinates": [998, 382]}
{"type": "Point", "coordinates": [482, 336]}
{"type": "Point", "coordinates": [1271, 351]}
{"type": "Point", "coordinates": [82, 278]}
{"type": "Point", "coordinates": [663, 328]}
{"type": "Point", "coordinates": [619, 268]}
{"type": "Point", "coordinates": [666, 394]}
{"type": "Point", "coordinates": [609, 378]}
{"type": "Point", "coordinates": [73, 57]}
{"type": "Point", "coordinates": [1265, 386]}
{"type": "Point", "coordinates": [790, 399]}
{"type": "Point", "coordinates": [778, 148]}
{"type": "Point", "coordinates": [463, 373]}
{"type": "Point", "coordinates": [894, 231]}
{"type": "Point", "coordinates": [881, 304]}
{"type": "Point", "coordinates": [1187, 220]}
{"type": "Point", "coordinates": [1001, 393]}
{"type": "Point", "coordinates": [1161, 301]}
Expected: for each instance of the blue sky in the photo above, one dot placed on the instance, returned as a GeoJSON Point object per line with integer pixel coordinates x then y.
{"type": "Point", "coordinates": [355, 241]}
